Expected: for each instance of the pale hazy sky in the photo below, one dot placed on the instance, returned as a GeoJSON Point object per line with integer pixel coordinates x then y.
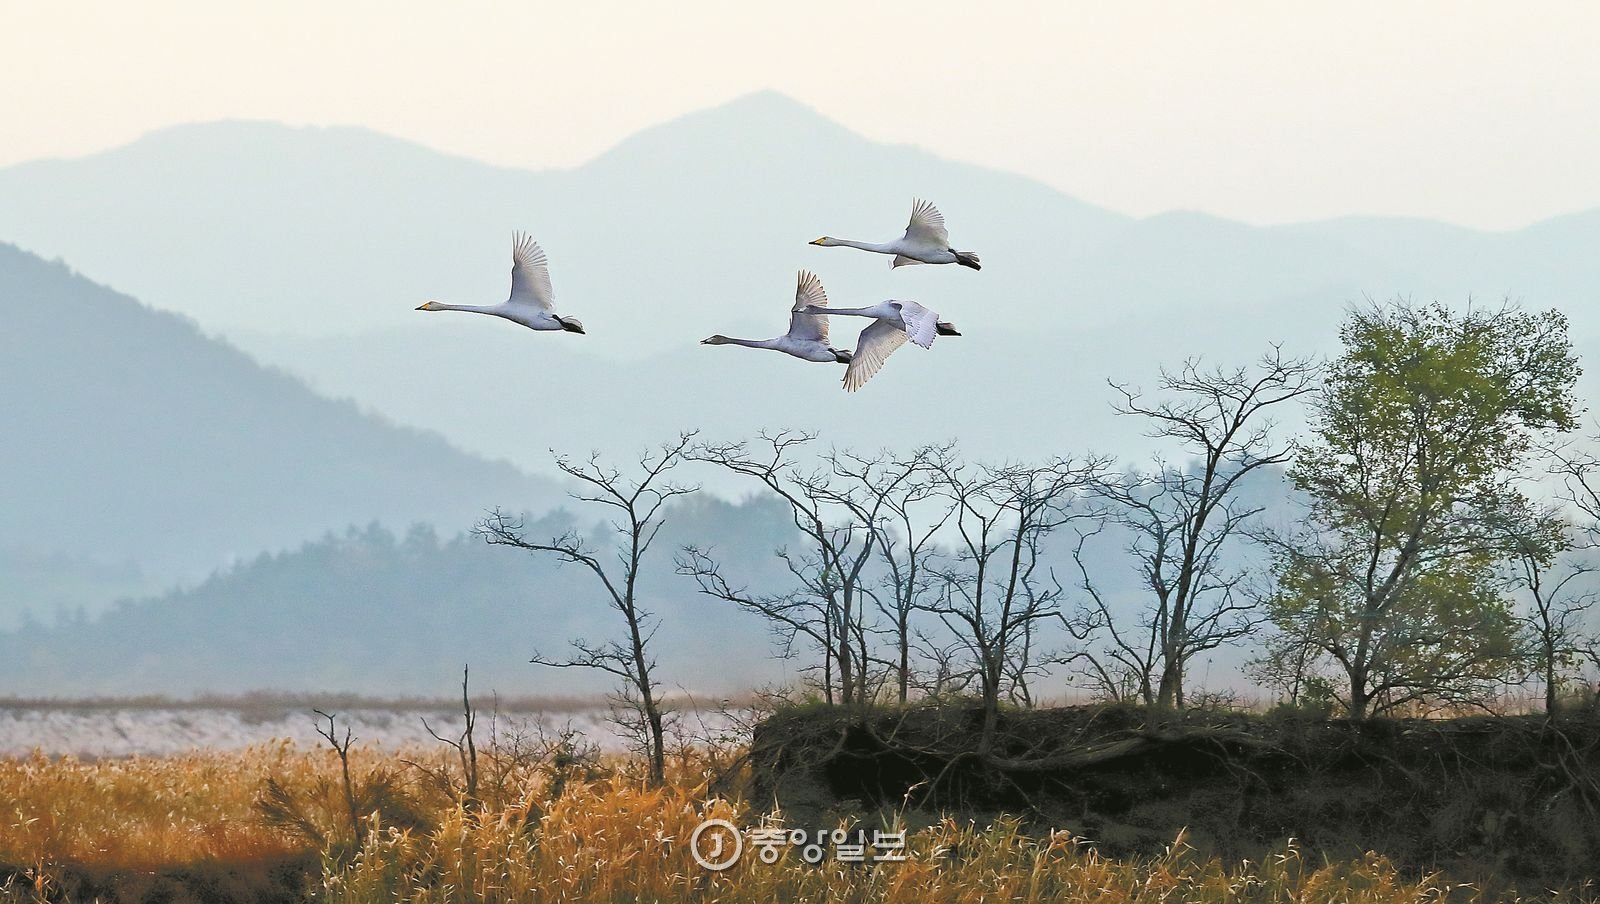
{"type": "Point", "coordinates": [1484, 114]}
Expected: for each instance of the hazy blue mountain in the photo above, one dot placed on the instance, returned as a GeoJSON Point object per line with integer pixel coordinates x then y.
{"type": "Point", "coordinates": [139, 450]}
{"type": "Point", "coordinates": [370, 612]}
{"type": "Point", "coordinates": [367, 611]}
{"type": "Point", "coordinates": [310, 247]}
{"type": "Point", "coordinates": [1549, 264]}
{"type": "Point", "coordinates": [315, 231]}
{"type": "Point", "coordinates": [43, 585]}
{"type": "Point", "coordinates": [132, 437]}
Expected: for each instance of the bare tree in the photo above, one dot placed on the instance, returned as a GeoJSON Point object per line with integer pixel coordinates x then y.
{"type": "Point", "coordinates": [1185, 518]}
{"type": "Point", "coordinates": [995, 588]}
{"type": "Point", "coordinates": [910, 512]}
{"type": "Point", "coordinates": [794, 616]}
{"type": "Point", "coordinates": [352, 801]}
{"type": "Point", "coordinates": [1560, 616]}
{"type": "Point", "coordinates": [376, 799]}
{"type": "Point", "coordinates": [840, 528]}
{"type": "Point", "coordinates": [465, 745]}
{"type": "Point", "coordinates": [946, 673]}
{"type": "Point", "coordinates": [1118, 662]}
{"type": "Point", "coordinates": [635, 503]}
{"type": "Point", "coordinates": [1556, 618]}
{"type": "Point", "coordinates": [1580, 474]}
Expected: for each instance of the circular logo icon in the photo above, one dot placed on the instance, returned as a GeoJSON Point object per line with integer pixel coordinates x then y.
{"type": "Point", "coordinates": [716, 844]}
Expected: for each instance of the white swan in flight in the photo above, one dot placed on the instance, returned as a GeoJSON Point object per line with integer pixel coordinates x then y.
{"type": "Point", "coordinates": [893, 323]}
{"type": "Point", "coordinates": [532, 303]}
{"type": "Point", "coordinates": [926, 242]}
{"type": "Point", "coordinates": [807, 338]}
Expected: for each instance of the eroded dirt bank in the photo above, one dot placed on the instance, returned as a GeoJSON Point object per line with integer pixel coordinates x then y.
{"type": "Point", "coordinates": [1508, 801]}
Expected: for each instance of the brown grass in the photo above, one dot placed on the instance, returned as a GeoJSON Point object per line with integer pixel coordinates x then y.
{"type": "Point", "coordinates": [547, 830]}
{"type": "Point", "coordinates": [143, 812]}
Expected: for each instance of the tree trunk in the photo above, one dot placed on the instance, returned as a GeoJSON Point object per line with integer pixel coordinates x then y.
{"type": "Point", "coordinates": [647, 700]}
{"type": "Point", "coordinates": [641, 678]}
{"type": "Point", "coordinates": [1170, 692]}
{"type": "Point", "coordinates": [658, 746]}
{"type": "Point", "coordinates": [1550, 703]}
{"type": "Point", "coordinates": [991, 704]}
{"type": "Point", "coordinates": [991, 717]}
{"type": "Point", "coordinates": [1360, 697]}
{"type": "Point", "coordinates": [905, 658]}
{"type": "Point", "coordinates": [847, 686]}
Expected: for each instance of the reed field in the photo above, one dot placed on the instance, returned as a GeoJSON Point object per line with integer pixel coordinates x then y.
{"type": "Point", "coordinates": [550, 823]}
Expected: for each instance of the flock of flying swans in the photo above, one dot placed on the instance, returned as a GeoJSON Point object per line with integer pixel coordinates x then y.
{"type": "Point", "coordinates": [532, 303]}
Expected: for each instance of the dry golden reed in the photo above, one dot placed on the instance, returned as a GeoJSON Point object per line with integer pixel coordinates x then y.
{"type": "Point", "coordinates": [141, 812]}
{"type": "Point", "coordinates": [603, 836]}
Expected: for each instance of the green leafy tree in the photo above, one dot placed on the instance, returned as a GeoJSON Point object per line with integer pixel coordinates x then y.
{"type": "Point", "coordinates": [1394, 582]}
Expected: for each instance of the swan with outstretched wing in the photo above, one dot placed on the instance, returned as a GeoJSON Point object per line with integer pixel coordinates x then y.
{"type": "Point", "coordinates": [807, 338]}
{"type": "Point", "coordinates": [926, 241]}
{"type": "Point", "coordinates": [532, 302]}
{"type": "Point", "coordinates": [894, 322]}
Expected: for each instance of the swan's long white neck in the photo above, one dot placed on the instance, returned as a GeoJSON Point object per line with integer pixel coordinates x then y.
{"type": "Point", "coordinates": [880, 247]}
{"type": "Point", "coordinates": [470, 308]}
{"type": "Point", "coordinates": [877, 310]}
{"type": "Point", "coordinates": [751, 343]}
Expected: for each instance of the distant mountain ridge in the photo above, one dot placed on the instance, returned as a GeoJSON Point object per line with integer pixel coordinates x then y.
{"type": "Point", "coordinates": [370, 611]}
{"type": "Point", "coordinates": [130, 436]}
{"type": "Point", "coordinates": [139, 449]}
{"type": "Point", "coordinates": [317, 231]}
{"type": "Point", "coordinates": [310, 247]}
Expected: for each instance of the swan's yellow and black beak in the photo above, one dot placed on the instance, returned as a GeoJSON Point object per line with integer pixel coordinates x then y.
{"type": "Point", "coordinates": [819, 241]}
{"type": "Point", "coordinates": [425, 306]}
